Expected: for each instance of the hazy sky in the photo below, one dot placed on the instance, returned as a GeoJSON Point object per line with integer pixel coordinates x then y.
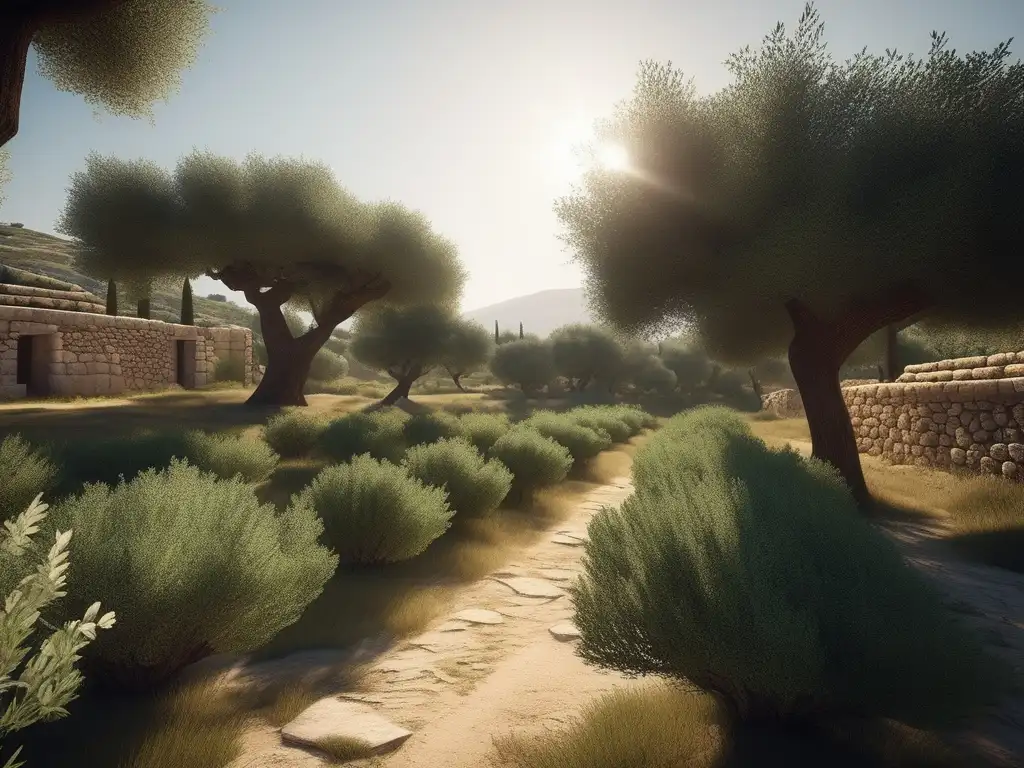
{"type": "Point", "coordinates": [459, 108]}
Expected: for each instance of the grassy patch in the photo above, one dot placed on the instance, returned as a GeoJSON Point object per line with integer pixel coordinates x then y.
{"type": "Point", "coordinates": [987, 516]}
{"type": "Point", "coordinates": [342, 749]}
{"type": "Point", "coordinates": [660, 726]}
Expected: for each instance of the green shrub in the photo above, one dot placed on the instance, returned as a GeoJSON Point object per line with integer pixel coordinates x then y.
{"type": "Point", "coordinates": [379, 433]}
{"type": "Point", "coordinates": [24, 473]}
{"type": "Point", "coordinates": [534, 460]}
{"type": "Point", "coordinates": [107, 460]}
{"type": "Point", "coordinates": [194, 565]}
{"type": "Point", "coordinates": [582, 442]}
{"type": "Point", "coordinates": [373, 511]}
{"type": "Point", "coordinates": [750, 573]}
{"type": "Point", "coordinates": [475, 488]}
{"type": "Point", "coordinates": [294, 433]}
{"type": "Point", "coordinates": [227, 456]}
{"type": "Point", "coordinates": [229, 369]}
{"type": "Point", "coordinates": [484, 429]}
{"type": "Point", "coordinates": [636, 419]}
{"type": "Point", "coordinates": [600, 418]}
{"type": "Point", "coordinates": [327, 366]}
{"type": "Point", "coordinates": [38, 686]}
{"type": "Point", "coordinates": [431, 426]}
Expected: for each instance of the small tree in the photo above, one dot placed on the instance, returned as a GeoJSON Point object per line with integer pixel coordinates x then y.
{"type": "Point", "coordinates": [405, 343]}
{"type": "Point", "coordinates": [521, 337]}
{"type": "Point", "coordinates": [111, 298]}
{"type": "Point", "coordinates": [808, 205]}
{"type": "Point", "coordinates": [467, 349]}
{"type": "Point", "coordinates": [40, 688]}
{"type": "Point", "coordinates": [497, 338]}
{"type": "Point", "coordinates": [119, 54]}
{"type": "Point", "coordinates": [527, 364]}
{"type": "Point", "coordinates": [187, 313]}
{"type": "Point", "coordinates": [585, 353]}
{"type": "Point", "coordinates": [691, 364]}
{"type": "Point", "coordinates": [283, 232]}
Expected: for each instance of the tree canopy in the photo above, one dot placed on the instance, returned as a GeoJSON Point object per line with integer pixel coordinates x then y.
{"type": "Point", "coordinates": [121, 55]}
{"type": "Point", "coordinates": [405, 342]}
{"type": "Point", "coordinates": [527, 363]}
{"type": "Point", "coordinates": [467, 349]}
{"type": "Point", "coordinates": [807, 205]}
{"type": "Point", "coordinates": [282, 231]}
{"type": "Point", "coordinates": [585, 353]}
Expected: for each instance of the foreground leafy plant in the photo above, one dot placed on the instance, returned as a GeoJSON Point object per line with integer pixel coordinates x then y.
{"type": "Point", "coordinates": [40, 688]}
{"type": "Point", "coordinates": [534, 460]}
{"type": "Point", "coordinates": [25, 472]}
{"type": "Point", "coordinates": [294, 433]}
{"type": "Point", "coordinates": [474, 487]}
{"type": "Point", "coordinates": [196, 564]}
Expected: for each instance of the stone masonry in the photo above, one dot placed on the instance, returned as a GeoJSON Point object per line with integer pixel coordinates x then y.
{"type": "Point", "coordinates": [79, 353]}
{"type": "Point", "coordinates": [966, 413]}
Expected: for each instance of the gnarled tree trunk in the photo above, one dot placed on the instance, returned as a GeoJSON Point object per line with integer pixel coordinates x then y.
{"type": "Point", "coordinates": [406, 378]}
{"type": "Point", "coordinates": [818, 349]}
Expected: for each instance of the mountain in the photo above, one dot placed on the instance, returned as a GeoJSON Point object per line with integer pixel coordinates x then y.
{"type": "Point", "coordinates": [54, 257]}
{"type": "Point", "coordinates": [540, 312]}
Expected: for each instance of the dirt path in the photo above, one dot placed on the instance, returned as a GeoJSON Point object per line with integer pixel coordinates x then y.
{"type": "Point", "coordinates": [493, 664]}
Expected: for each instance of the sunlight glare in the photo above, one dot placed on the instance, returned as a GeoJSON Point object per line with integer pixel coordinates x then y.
{"type": "Point", "coordinates": [613, 157]}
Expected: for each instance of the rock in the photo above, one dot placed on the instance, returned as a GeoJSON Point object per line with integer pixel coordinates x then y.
{"type": "Point", "coordinates": [531, 587]}
{"type": "Point", "coordinates": [564, 631]}
{"type": "Point", "coordinates": [333, 718]}
{"type": "Point", "coordinates": [785, 403]}
{"type": "Point", "coordinates": [558, 574]}
{"type": "Point", "coordinates": [452, 626]}
{"type": "Point", "coordinates": [1009, 470]}
{"type": "Point", "coordinates": [479, 616]}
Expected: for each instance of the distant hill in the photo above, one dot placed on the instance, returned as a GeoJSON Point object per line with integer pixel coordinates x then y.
{"type": "Point", "coordinates": [54, 257]}
{"type": "Point", "coordinates": [540, 313]}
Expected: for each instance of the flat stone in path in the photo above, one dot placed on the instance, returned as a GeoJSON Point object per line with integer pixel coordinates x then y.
{"type": "Point", "coordinates": [564, 631]}
{"type": "Point", "coordinates": [336, 719]}
{"type": "Point", "coordinates": [531, 587]}
{"type": "Point", "coordinates": [479, 616]}
{"type": "Point", "coordinates": [558, 574]}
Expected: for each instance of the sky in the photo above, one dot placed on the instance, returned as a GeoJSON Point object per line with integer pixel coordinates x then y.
{"type": "Point", "coordinates": [463, 109]}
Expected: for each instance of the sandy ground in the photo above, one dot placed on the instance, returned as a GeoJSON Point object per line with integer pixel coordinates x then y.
{"type": "Point", "coordinates": [460, 684]}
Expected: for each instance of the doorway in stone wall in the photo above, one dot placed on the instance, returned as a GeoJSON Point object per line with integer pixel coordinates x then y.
{"type": "Point", "coordinates": [34, 352]}
{"type": "Point", "coordinates": [185, 363]}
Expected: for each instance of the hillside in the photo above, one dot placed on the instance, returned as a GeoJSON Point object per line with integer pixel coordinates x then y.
{"type": "Point", "coordinates": [540, 313]}
{"type": "Point", "coordinates": [54, 257]}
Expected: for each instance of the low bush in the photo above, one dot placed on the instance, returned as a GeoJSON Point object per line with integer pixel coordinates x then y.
{"type": "Point", "coordinates": [534, 460]}
{"type": "Point", "coordinates": [484, 429]}
{"type": "Point", "coordinates": [227, 456]}
{"type": "Point", "coordinates": [327, 366]}
{"type": "Point", "coordinates": [431, 426]}
{"type": "Point", "coordinates": [474, 487]}
{"type": "Point", "coordinates": [582, 442]}
{"type": "Point", "coordinates": [636, 419]}
{"type": "Point", "coordinates": [600, 418]}
{"type": "Point", "coordinates": [24, 472]}
{"type": "Point", "coordinates": [294, 433]}
{"type": "Point", "coordinates": [107, 460]}
{"type": "Point", "coordinates": [750, 573]}
{"type": "Point", "coordinates": [194, 565]}
{"type": "Point", "coordinates": [379, 433]}
{"type": "Point", "coordinates": [373, 511]}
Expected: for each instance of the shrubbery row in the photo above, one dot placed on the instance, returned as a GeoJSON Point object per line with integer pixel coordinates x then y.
{"type": "Point", "coordinates": [750, 573]}
{"type": "Point", "coordinates": [170, 533]}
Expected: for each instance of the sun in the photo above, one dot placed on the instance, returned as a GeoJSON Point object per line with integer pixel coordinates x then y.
{"type": "Point", "coordinates": [613, 157]}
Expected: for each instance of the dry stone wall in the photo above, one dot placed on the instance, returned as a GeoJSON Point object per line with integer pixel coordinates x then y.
{"type": "Point", "coordinates": [78, 353]}
{"type": "Point", "coordinates": [966, 413]}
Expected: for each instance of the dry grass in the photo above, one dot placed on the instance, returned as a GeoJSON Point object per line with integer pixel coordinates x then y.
{"type": "Point", "coordinates": [199, 727]}
{"type": "Point", "coordinates": [341, 749]}
{"type": "Point", "coordinates": [660, 726]}
{"type": "Point", "coordinates": [980, 515]}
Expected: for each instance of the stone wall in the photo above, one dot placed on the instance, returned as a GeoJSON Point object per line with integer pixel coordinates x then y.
{"type": "Point", "coordinates": [967, 413]}
{"type": "Point", "coordinates": [77, 353]}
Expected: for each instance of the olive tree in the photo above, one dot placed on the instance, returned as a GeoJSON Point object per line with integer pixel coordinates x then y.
{"type": "Point", "coordinates": [527, 363]}
{"type": "Point", "coordinates": [585, 353]}
{"type": "Point", "coordinates": [809, 204]}
{"type": "Point", "coordinates": [114, 209]}
{"type": "Point", "coordinates": [467, 349]}
{"type": "Point", "coordinates": [283, 232]}
{"type": "Point", "coordinates": [406, 343]}
{"type": "Point", "coordinates": [121, 55]}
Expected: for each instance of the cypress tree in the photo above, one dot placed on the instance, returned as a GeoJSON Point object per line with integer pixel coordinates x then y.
{"type": "Point", "coordinates": [497, 340]}
{"type": "Point", "coordinates": [111, 298]}
{"type": "Point", "coordinates": [520, 331]}
{"type": "Point", "coordinates": [187, 315]}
